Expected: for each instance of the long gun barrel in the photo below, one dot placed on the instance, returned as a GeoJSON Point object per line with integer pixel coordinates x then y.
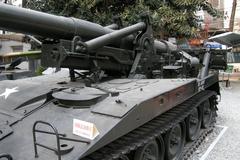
{"type": "Point", "coordinates": [57, 27]}
{"type": "Point", "coordinates": [85, 45]}
{"type": "Point", "coordinates": [47, 25]}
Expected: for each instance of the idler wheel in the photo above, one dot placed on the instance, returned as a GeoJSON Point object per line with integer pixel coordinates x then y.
{"type": "Point", "coordinates": [207, 114]}
{"type": "Point", "coordinates": [150, 151]}
{"type": "Point", "coordinates": [174, 141]}
{"type": "Point", "coordinates": [193, 124]}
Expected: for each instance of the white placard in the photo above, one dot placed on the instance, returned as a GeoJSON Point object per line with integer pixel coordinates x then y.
{"type": "Point", "coordinates": [85, 129]}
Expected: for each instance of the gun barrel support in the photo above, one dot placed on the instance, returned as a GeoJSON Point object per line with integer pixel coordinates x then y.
{"type": "Point", "coordinates": [164, 46]}
{"type": "Point", "coordinates": [205, 68]}
{"type": "Point", "coordinates": [114, 36]}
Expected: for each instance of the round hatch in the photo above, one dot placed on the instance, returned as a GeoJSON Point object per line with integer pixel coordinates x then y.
{"type": "Point", "coordinates": [79, 97]}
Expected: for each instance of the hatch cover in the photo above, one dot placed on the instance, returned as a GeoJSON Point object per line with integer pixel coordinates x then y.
{"type": "Point", "coordinates": [79, 97]}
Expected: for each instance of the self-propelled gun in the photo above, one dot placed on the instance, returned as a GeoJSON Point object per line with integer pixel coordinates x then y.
{"type": "Point", "coordinates": [125, 96]}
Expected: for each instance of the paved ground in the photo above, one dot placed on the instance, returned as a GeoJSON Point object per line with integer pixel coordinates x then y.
{"type": "Point", "coordinates": [228, 147]}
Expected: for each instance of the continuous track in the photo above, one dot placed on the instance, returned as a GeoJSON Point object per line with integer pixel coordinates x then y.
{"type": "Point", "coordinates": [153, 129]}
{"type": "Point", "coordinates": [191, 147]}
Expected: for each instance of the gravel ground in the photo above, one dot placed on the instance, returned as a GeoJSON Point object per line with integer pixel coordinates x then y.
{"type": "Point", "coordinates": [228, 147]}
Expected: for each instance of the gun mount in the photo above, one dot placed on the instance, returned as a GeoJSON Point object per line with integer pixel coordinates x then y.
{"type": "Point", "coordinates": [78, 44]}
{"type": "Point", "coordinates": [136, 117]}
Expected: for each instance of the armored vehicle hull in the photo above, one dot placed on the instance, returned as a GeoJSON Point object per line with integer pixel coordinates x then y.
{"type": "Point", "coordinates": [129, 96]}
{"type": "Point", "coordinates": [135, 103]}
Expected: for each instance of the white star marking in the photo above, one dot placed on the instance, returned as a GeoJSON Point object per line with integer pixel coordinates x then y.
{"type": "Point", "coordinates": [9, 91]}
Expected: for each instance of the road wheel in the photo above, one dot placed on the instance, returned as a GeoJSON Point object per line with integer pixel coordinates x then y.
{"type": "Point", "coordinates": [207, 114]}
{"type": "Point", "coordinates": [193, 124]}
{"type": "Point", "coordinates": [150, 151]}
{"type": "Point", "coordinates": [174, 142]}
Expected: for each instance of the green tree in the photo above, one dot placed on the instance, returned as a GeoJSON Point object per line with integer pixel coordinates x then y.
{"type": "Point", "coordinates": [172, 17]}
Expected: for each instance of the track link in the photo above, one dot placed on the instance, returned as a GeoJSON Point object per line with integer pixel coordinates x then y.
{"type": "Point", "coordinates": [190, 148]}
{"type": "Point", "coordinates": [153, 129]}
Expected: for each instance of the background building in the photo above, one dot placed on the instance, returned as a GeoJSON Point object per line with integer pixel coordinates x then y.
{"type": "Point", "coordinates": [227, 13]}
{"type": "Point", "coordinates": [213, 24]}
{"type": "Point", "coordinates": [10, 43]}
{"type": "Point", "coordinates": [236, 27]}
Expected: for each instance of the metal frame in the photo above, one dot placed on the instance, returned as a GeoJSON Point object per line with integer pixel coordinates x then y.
{"type": "Point", "coordinates": [58, 138]}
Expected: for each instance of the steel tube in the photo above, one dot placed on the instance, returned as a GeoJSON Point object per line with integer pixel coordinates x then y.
{"type": "Point", "coordinates": [113, 36]}
{"type": "Point", "coordinates": [112, 26]}
{"type": "Point", "coordinates": [42, 24]}
{"type": "Point", "coordinates": [205, 68]}
{"type": "Point", "coordinates": [164, 46]}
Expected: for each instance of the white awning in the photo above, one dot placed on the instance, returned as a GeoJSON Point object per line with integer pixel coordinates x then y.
{"type": "Point", "coordinates": [229, 38]}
